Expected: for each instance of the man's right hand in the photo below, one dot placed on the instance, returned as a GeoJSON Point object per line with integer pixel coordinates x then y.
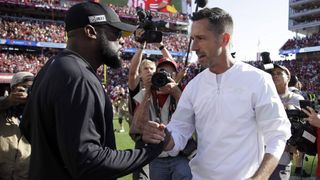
{"type": "Point", "coordinates": [147, 81]}
{"type": "Point", "coordinates": [153, 132]}
{"type": "Point", "coordinates": [138, 34]}
{"type": "Point", "coordinates": [18, 96]}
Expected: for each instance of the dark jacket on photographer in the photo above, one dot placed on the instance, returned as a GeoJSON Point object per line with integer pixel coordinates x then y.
{"type": "Point", "coordinates": [14, 148]}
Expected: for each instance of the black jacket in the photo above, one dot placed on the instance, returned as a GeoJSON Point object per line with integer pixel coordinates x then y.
{"type": "Point", "coordinates": [68, 120]}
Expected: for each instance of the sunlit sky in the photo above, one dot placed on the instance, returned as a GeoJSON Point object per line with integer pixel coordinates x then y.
{"type": "Point", "coordinates": [257, 21]}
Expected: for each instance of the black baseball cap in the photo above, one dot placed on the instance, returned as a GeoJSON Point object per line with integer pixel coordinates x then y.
{"type": "Point", "coordinates": [94, 13]}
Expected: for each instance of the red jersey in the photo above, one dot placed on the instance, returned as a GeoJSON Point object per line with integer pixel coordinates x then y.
{"type": "Point", "coordinates": [154, 5]}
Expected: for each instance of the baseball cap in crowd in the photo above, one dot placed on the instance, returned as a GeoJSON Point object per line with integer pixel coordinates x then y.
{"type": "Point", "coordinates": [168, 61]}
{"type": "Point", "coordinates": [21, 77]}
{"type": "Point", "coordinates": [293, 80]}
{"type": "Point", "coordinates": [284, 69]}
{"type": "Point", "coordinates": [94, 13]}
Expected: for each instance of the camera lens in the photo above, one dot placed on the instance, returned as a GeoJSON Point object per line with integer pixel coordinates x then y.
{"type": "Point", "coordinates": [160, 79]}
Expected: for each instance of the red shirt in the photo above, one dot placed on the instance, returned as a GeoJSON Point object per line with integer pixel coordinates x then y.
{"type": "Point", "coordinates": [154, 5]}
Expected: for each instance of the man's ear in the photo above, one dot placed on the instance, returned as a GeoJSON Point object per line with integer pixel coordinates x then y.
{"type": "Point", "coordinates": [226, 39]}
{"type": "Point", "coordinates": [90, 31]}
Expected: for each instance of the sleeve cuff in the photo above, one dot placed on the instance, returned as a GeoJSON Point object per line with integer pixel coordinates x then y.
{"type": "Point", "coordinates": [276, 147]}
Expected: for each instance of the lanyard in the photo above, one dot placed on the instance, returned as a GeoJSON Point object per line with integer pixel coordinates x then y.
{"type": "Point", "coordinates": [157, 108]}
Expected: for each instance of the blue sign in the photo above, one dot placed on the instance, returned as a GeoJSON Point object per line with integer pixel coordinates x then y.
{"type": "Point", "coordinates": [20, 42]}
{"type": "Point", "coordinates": [3, 41]}
{"type": "Point", "coordinates": [63, 45]}
{"type": "Point", "coordinates": [51, 45]}
{"type": "Point", "coordinates": [154, 52]}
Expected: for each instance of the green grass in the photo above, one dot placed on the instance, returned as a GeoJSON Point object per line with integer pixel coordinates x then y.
{"type": "Point", "coordinates": [124, 141]}
{"type": "Point", "coordinates": [309, 165]}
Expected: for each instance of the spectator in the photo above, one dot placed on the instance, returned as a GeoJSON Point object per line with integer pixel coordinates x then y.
{"type": "Point", "coordinates": [136, 73]}
{"type": "Point", "coordinates": [14, 148]}
{"type": "Point", "coordinates": [314, 120]}
{"type": "Point", "coordinates": [281, 77]}
{"type": "Point", "coordinates": [158, 105]}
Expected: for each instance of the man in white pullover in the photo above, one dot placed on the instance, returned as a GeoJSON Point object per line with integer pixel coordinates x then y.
{"type": "Point", "coordinates": [235, 109]}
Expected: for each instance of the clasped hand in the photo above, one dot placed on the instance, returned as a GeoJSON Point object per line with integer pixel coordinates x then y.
{"type": "Point", "coordinates": [153, 132]}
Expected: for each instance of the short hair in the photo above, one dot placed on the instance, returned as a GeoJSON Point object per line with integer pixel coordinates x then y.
{"type": "Point", "coordinates": [220, 20]}
{"type": "Point", "coordinates": [145, 62]}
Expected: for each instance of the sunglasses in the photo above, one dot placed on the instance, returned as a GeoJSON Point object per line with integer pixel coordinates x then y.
{"type": "Point", "coordinates": [113, 34]}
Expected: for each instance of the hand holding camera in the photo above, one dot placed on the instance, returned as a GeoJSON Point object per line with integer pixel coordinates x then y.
{"type": "Point", "coordinates": [138, 34]}
{"type": "Point", "coordinates": [18, 95]}
{"type": "Point", "coordinates": [313, 116]}
{"type": "Point", "coordinates": [147, 81]}
{"type": "Point", "coordinates": [150, 34]}
{"type": "Point", "coordinates": [170, 87]}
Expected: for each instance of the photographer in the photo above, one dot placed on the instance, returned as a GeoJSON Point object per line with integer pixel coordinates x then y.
{"type": "Point", "coordinates": [14, 148]}
{"type": "Point", "coordinates": [138, 71]}
{"type": "Point", "coordinates": [281, 77]}
{"type": "Point", "coordinates": [314, 120]}
{"type": "Point", "coordinates": [158, 104]}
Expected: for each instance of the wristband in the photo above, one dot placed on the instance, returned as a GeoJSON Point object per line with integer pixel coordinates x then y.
{"type": "Point", "coordinates": [161, 47]}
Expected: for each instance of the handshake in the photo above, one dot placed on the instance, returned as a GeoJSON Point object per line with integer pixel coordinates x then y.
{"type": "Point", "coordinates": [155, 133]}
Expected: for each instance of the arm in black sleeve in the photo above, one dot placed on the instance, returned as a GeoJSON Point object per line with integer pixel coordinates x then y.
{"type": "Point", "coordinates": [86, 139]}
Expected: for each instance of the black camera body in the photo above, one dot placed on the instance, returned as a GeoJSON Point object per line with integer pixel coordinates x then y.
{"type": "Point", "coordinates": [160, 79]}
{"type": "Point", "coordinates": [151, 35]}
{"type": "Point", "coordinates": [304, 135]}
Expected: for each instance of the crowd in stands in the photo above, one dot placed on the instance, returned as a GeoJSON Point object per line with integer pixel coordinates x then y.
{"type": "Point", "coordinates": [307, 70]}
{"type": "Point", "coordinates": [123, 11]}
{"type": "Point", "coordinates": [48, 4]}
{"type": "Point", "coordinates": [173, 42]}
{"type": "Point", "coordinates": [301, 42]}
{"type": "Point", "coordinates": [49, 31]}
{"type": "Point", "coordinates": [31, 29]}
{"type": "Point", "coordinates": [126, 11]}
{"type": "Point", "coordinates": [16, 62]}
{"type": "Point", "coordinates": [23, 28]}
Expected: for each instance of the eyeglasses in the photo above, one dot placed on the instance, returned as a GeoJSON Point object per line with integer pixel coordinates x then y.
{"type": "Point", "coordinates": [113, 34]}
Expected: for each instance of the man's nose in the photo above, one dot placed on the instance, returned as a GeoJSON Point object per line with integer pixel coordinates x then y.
{"type": "Point", "coordinates": [194, 45]}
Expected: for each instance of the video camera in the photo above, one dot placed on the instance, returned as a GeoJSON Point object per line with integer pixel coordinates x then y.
{"type": "Point", "coordinates": [160, 79]}
{"type": "Point", "coordinates": [303, 134]}
{"type": "Point", "coordinates": [151, 35]}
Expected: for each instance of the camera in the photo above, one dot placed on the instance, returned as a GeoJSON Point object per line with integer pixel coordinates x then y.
{"type": "Point", "coordinates": [151, 35]}
{"type": "Point", "coordinates": [267, 63]}
{"type": "Point", "coordinates": [303, 134]}
{"type": "Point", "coordinates": [160, 79]}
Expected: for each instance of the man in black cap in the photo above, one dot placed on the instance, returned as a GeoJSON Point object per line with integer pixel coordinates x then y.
{"type": "Point", "coordinates": [68, 118]}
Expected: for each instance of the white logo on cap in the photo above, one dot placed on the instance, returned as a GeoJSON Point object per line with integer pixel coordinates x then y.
{"type": "Point", "coordinates": [99, 18]}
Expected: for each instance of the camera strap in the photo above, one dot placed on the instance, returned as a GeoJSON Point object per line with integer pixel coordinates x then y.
{"type": "Point", "coordinates": [157, 108]}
